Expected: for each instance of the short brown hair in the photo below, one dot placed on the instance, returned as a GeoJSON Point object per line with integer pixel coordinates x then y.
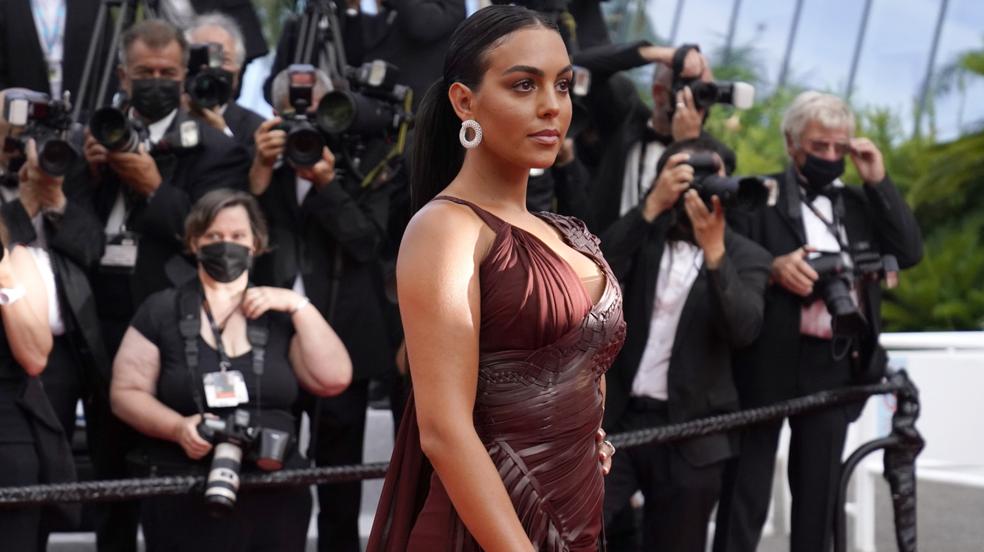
{"type": "Point", "coordinates": [157, 34]}
{"type": "Point", "coordinates": [204, 211]}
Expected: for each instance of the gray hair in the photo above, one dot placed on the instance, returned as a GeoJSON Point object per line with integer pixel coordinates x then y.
{"type": "Point", "coordinates": [227, 24]}
{"type": "Point", "coordinates": [280, 91]}
{"type": "Point", "coordinates": [828, 110]}
{"type": "Point", "coordinates": [157, 34]}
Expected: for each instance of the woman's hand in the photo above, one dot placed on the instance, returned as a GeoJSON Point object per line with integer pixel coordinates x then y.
{"type": "Point", "coordinates": [605, 451]}
{"type": "Point", "coordinates": [258, 300]}
{"type": "Point", "coordinates": [186, 435]}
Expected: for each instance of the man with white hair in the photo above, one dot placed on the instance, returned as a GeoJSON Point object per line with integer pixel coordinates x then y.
{"type": "Point", "coordinates": [820, 330]}
{"type": "Point", "coordinates": [230, 117]}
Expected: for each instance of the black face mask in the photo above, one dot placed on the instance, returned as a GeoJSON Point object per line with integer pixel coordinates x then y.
{"type": "Point", "coordinates": [155, 98]}
{"type": "Point", "coordinates": [225, 261]}
{"type": "Point", "coordinates": [820, 173]}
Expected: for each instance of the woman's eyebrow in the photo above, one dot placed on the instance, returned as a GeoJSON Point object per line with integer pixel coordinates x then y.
{"type": "Point", "coordinates": [534, 70]}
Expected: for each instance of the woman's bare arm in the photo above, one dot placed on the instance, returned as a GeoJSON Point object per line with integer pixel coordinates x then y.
{"type": "Point", "coordinates": [136, 368]}
{"type": "Point", "coordinates": [438, 286]}
{"type": "Point", "coordinates": [25, 322]}
{"type": "Point", "coordinates": [318, 356]}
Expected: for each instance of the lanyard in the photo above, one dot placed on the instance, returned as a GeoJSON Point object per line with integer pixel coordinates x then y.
{"type": "Point", "coordinates": [833, 226]}
{"type": "Point", "coordinates": [224, 361]}
{"type": "Point", "coordinates": [50, 35]}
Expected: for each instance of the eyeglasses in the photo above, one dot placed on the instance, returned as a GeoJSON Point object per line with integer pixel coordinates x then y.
{"type": "Point", "coordinates": [822, 146]}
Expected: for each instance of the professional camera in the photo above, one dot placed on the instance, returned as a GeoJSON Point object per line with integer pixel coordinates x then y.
{"type": "Point", "coordinates": [232, 437]}
{"type": "Point", "coordinates": [304, 142]}
{"type": "Point", "coordinates": [374, 104]}
{"type": "Point", "coordinates": [48, 122]}
{"type": "Point", "coordinates": [207, 83]}
{"type": "Point", "coordinates": [837, 274]}
{"type": "Point", "coordinates": [113, 128]}
{"type": "Point", "coordinates": [706, 94]}
{"type": "Point", "coordinates": [749, 192]}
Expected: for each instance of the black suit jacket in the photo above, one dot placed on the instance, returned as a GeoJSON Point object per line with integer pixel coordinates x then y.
{"type": "Point", "coordinates": [333, 239]}
{"type": "Point", "coordinates": [219, 162]}
{"type": "Point", "coordinates": [722, 312]}
{"type": "Point", "coordinates": [619, 119]}
{"type": "Point", "coordinates": [875, 216]}
{"type": "Point", "coordinates": [243, 123]}
{"type": "Point", "coordinates": [244, 13]}
{"type": "Point", "coordinates": [74, 243]}
{"type": "Point", "coordinates": [21, 58]}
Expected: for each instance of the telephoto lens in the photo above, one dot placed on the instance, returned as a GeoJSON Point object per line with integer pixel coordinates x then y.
{"type": "Point", "coordinates": [113, 129]}
{"type": "Point", "coordinates": [55, 156]}
{"type": "Point", "coordinates": [223, 479]}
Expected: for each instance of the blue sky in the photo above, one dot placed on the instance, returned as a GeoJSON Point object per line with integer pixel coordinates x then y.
{"type": "Point", "coordinates": [893, 61]}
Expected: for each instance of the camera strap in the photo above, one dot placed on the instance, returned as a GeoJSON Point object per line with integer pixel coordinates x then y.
{"type": "Point", "coordinates": [190, 300]}
{"type": "Point", "coordinates": [833, 226]}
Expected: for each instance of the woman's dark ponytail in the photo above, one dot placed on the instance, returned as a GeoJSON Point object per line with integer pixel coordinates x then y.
{"type": "Point", "coordinates": [437, 155]}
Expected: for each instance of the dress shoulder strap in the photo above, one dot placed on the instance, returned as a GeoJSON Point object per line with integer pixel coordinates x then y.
{"type": "Point", "coordinates": [494, 222]}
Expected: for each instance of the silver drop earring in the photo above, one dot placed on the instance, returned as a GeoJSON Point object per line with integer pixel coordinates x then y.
{"type": "Point", "coordinates": [463, 135]}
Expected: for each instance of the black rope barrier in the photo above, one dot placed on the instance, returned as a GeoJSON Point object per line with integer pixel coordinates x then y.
{"type": "Point", "coordinates": [126, 489]}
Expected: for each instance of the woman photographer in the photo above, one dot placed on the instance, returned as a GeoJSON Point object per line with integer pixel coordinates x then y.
{"type": "Point", "coordinates": [157, 389]}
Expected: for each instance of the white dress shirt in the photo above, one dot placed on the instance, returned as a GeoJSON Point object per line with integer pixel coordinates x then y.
{"type": "Point", "coordinates": [634, 185]}
{"type": "Point", "coordinates": [815, 319]}
{"type": "Point", "coordinates": [117, 217]}
{"type": "Point", "coordinates": [303, 187]}
{"type": "Point", "coordinates": [678, 269]}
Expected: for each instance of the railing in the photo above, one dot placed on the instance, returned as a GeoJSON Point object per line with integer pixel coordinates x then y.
{"type": "Point", "coordinates": [901, 447]}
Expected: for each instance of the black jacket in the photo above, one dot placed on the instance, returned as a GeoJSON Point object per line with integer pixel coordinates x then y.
{"type": "Point", "coordinates": [74, 243]}
{"type": "Point", "coordinates": [723, 312]}
{"type": "Point", "coordinates": [243, 123]}
{"type": "Point", "coordinates": [21, 57]}
{"type": "Point", "coordinates": [333, 239]}
{"type": "Point", "coordinates": [876, 217]}
{"type": "Point", "coordinates": [218, 162]}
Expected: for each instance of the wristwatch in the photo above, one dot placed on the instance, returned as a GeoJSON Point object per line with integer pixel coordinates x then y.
{"type": "Point", "coordinates": [9, 296]}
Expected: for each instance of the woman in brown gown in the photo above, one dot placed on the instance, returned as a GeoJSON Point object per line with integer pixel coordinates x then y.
{"type": "Point", "coordinates": [511, 318]}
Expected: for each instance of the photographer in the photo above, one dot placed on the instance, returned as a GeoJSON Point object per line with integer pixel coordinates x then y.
{"type": "Point", "coordinates": [228, 116]}
{"type": "Point", "coordinates": [165, 392]}
{"type": "Point", "coordinates": [693, 294]}
{"type": "Point", "coordinates": [143, 196]}
{"type": "Point", "coordinates": [628, 137]}
{"type": "Point", "coordinates": [803, 349]}
{"type": "Point", "coordinates": [43, 43]}
{"type": "Point", "coordinates": [326, 234]}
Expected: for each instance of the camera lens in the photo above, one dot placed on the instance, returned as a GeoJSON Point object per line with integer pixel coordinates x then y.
{"type": "Point", "coordinates": [223, 479]}
{"type": "Point", "coordinates": [304, 146]}
{"type": "Point", "coordinates": [347, 111]}
{"type": "Point", "coordinates": [56, 156]}
{"type": "Point", "coordinates": [208, 90]}
{"type": "Point", "coordinates": [111, 128]}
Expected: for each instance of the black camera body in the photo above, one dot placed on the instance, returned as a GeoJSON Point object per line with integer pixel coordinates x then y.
{"type": "Point", "coordinates": [748, 192]}
{"type": "Point", "coordinates": [207, 84]}
{"type": "Point", "coordinates": [117, 132]}
{"type": "Point", "coordinates": [739, 94]}
{"type": "Point", "coordinates": [305, 143]}
{"type": "Point", "coordinates": [374, 104]}
{"type": "Point", "coordinates": [837, 273]}
{"type": "Point", "coordinates": [48, 122]}
{"type": "Point", "coordinates": [233, 438]}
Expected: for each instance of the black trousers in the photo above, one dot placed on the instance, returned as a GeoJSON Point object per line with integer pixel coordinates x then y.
{"type": "Point", "coordinates": [679, 496]}
{"type": "Point", "coordinates": [274, 520]}
{"type": "Point", "coordinates": [815, 449]}
{"type": "Point", "coordinates": [20, 529]}
{"type": "Point", "coordinates": [341, 429]}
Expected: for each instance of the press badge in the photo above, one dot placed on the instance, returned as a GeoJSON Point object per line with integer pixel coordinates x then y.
{"type": "Point", "coordinates": [225, 389]}
{"type": "Point", "coordinates": [121, 252]}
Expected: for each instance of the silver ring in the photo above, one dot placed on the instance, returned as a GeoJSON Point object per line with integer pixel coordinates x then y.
{"type": "Point", "coordinates": [681, 104]}
{"type": "Point", "coordinates": [610, 446]}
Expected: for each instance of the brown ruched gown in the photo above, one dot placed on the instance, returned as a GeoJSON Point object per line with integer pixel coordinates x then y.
{"type": "Point", "coordinates": [543, 349]}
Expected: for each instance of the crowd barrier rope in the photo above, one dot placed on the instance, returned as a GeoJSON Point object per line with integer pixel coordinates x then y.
{"type": "Point", "coordinates": [901, 447]}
